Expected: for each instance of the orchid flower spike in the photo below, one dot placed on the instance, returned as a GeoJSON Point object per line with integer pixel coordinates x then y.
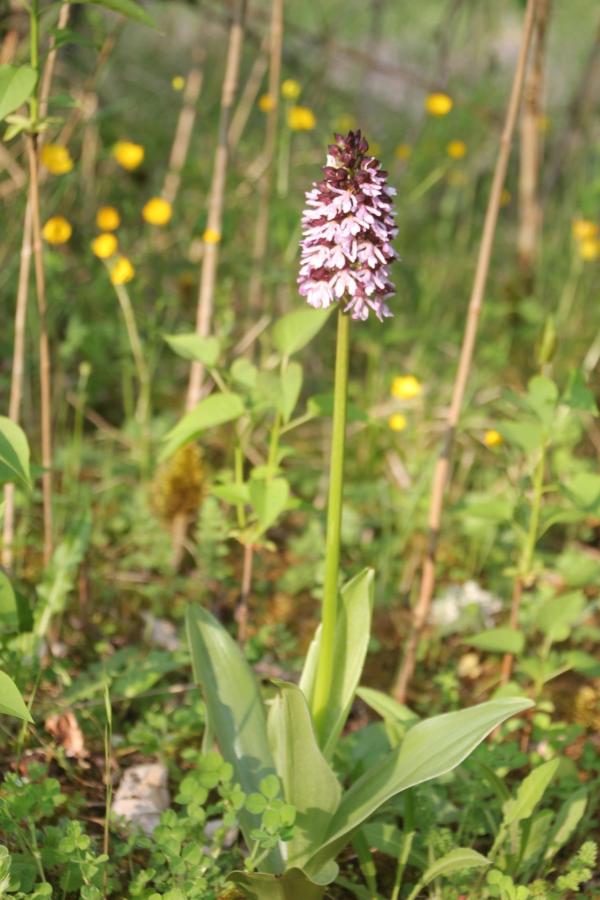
{"type": "Point", "coordinates": [348, 226]}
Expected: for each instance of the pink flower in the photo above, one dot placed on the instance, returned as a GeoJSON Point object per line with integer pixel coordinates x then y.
{"type": "Point", "coordinates": [348, 227]}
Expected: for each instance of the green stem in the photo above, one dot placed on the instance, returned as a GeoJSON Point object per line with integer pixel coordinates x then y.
{"type": "Point", "coordinates": [325, 663]}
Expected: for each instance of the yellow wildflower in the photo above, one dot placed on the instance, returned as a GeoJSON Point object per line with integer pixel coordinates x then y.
{"type": "Point", "coordinates": [301, 118]}
{"type": "Point", "coordinates": [583, 229]}
{"type": "Point", "coordinates": [157, 211]}
{"type": "Point", "coordinates": [397, 422]}
{"type": "Point", "coordinates": [456, 149]}
{"type": "Point", "coordinates": [492, 438]}
{"type": "Point", "coordinates": [403, 152]}
{"type": "Point", "coordinates": [108, 218]}
{"type": "Point", "coordinates": [266, 103]}
{"type": "Point", "coordinates": [344, 122]}
{"type": "Point", "coordinates": [290, 89]}
{"type": "Point", "coordinates": [57, 230]}
{"type": "Point", "coordinates": [56, 159]}
{"type": "Point", "coordinates": [438, 104]}
{"type": "Point", "coordinates": [105, 245]}
{"type": "Point", "coordinates": [406, 387]}
{"type": "Point", "coordinates": [122, 271]}
{"type": "Point", "coordinates": [178, 82]}
{"type": "Point", "coordinates": [128, 154]}
{"type": "Point", "coordinates": [589, 249]}
{"type": "Point", "coordinates": [211, 236]}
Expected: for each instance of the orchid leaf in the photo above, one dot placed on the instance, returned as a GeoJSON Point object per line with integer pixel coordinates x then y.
{"type": "Point", "coordinates": [235, 710]}
{"type": "Point", "coordinates": [308, 782]}
{"type": "Point", "coordinates": [430, 749]}
{"type": "Point", "coordinates": [353, 630]}
{"type": "Point", "coordinates": [291, 886]}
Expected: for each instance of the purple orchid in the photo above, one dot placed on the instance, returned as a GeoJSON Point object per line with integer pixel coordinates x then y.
{"type": "Point", "coordinates": [348, 226]}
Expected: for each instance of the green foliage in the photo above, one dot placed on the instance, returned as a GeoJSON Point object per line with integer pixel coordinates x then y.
{"type": "Point", "coordinates": [17, 84]}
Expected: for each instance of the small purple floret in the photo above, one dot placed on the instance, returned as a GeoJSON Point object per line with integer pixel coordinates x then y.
{"type": "Point", "coordinates": [348, 227]}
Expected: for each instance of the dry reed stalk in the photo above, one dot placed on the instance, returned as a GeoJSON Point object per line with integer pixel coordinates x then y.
{"type": "Point", "coordinates": [48, 73]}
{"type": "Point", "coordinates": [210, 257]}
{"type": "Point", "coordinates": [241, 613]}
{"type": "Point", "coordinates": [248, 96]}
{"type": "Point", "coordinates": [44, 345]}
{"type": "Point", "coordinates": [261, 231]}
{"type": "Point", "coordinates": [442, 469]}
{"type": "Point", "coordinates": [89, 148]}
{"type": "Point", "coordinates": [183, 134]}
{"type": "Point", "coordinates": [8, 49]}
{"type": "Point", "coordinates": [531, 147]}
{"type": "Point", "coordinates": [18, 362]}
{"type": "Point", "coordinates": [17, 379]}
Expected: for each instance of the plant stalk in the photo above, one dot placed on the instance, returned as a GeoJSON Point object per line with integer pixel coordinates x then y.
{"type": "Point", "coordinates": [324, 672]}
{"type": "Point", "coordinates": [442, 469]}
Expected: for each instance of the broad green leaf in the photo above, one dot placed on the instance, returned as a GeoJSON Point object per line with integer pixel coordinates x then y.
{"type": "Point", "coordinates": [308, 782]}
{"type": "Point", "coordinates": [244, 372]}
{"type": "Point", "coordinates": [556, 616]}
{"type": "Point", "coordinates": [430, 749]}
{"type": "Point", "coordinates": [386, 707]}
{"type": "Point", "coordinates": [577, 394]}
{"type": "Point", "coordinates": [291, 385]}
{"type": "Point", "coordinates": [353, 630]}
{"type": "Point", "coordinates": [17, 84]}
{"type": "Point", "coordinates": [210, 412]}
{"type": "Point", "coordinates": [194, 347]}
{"type": "Point", "coordinates": [235, 710]}
{"type": "Point", "coordinates": [498, 640]}
{"type": "Point", "coordinates": [8, 603]}
{"type": "Point", "coordinates": [232, 493]}
{"type": "Point", "coordinates": [567, 820]}
{"type": "Point", "coordinates": [584, 490]}
{"type": "Point", "coordinates": [529, 794]}
{"type": "Point", "coordinates": [12, 703]}
{"type": "Point", "coordinates": [294, 885]}
{"type": "Point", "coordinates": [497, 509]}
{"type": "Point", "coordinates": [455, 861]}
{"type": "Point", "coordinates": [128, 8]}
{"type": "Point", "coordinates": [529, 436]}
{"type": "Point", "coordinates": [293, 331]}
{"type": "Point", "coordinates": [542, 397]}
{"type": "Point", "coordinates": [14, 454]}
{"type": "Point", "coordinates": [268, 499]}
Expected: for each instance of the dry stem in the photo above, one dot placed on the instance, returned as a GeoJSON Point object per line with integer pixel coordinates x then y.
{"type": "Point", "coordinates": [45, 370]}
{"type": "Point", "coordinates": [441, 474]}
{"type": "Point", "coordinates": [530, 210]}
{"type": "Point", "coordinates": [183, 135]}
{"type": "Point", "coordinates": [216, 200]}
{"type": "Point", "coordinates": [17, 378]}
{"type": "Point", "coordinates": [259, 248]}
